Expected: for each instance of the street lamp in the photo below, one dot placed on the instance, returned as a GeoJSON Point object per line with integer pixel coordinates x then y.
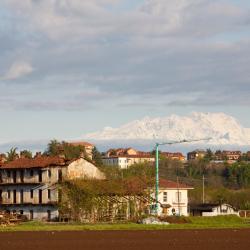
{"type": "Point", "coordinates": [157, 166]}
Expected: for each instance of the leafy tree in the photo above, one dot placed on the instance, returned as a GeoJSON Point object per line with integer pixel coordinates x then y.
{"type": "Point", "coordinates": [56, 148]}
{"type": "Point", "coordinates": [209, 155]}
{"type": "Point", "coordinates": [12, 154]}
{"type": "Point", "coordinates": [53, 148]}
{"type": "Point", "coordinates": [26, 154]}
{"type": "Point", "coordinates": [97, 157]}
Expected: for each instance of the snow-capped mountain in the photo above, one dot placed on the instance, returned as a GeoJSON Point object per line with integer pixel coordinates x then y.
{"type": "Point", "coordinates": [221, 128]}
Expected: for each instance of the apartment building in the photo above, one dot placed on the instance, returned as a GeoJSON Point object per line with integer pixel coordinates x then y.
{"type": "Point", "coordinates": [125, 161]}
{"type": "Point", "coordinates": [174, 156]}
{"type": "Point", "coordinates": [31, 186]}
{"type": "Point", "coordinates": [125, 157]}
{"type": "Point", "coordinates": [231, 155]}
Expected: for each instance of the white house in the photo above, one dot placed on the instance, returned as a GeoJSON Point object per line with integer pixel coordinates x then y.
{"type": "Point", "coordinates": [173, 198]}
{"type": "Point", "coordinates": [213, 210]}
{"type": "Point", "coordinates": [125, 161]}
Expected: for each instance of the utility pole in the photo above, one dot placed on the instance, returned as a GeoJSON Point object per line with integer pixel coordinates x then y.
{"type": "Point", "coordinates": [156, 177]}
{"type": "Point", "coordinates": [203, 189]}
{"type": "Point", "coordinates": [178, 195]}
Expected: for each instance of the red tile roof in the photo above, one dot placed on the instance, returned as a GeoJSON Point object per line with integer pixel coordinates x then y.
{"type": "Point", "coordinates": [81, 143]}
{"type": "Point", "coordinates": [39, 162]}
{"type": "Point", "coordinates": [129, 156]}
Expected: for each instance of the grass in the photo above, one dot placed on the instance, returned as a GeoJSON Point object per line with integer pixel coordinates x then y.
{"type": "Point", "coordinates": [219, 222]}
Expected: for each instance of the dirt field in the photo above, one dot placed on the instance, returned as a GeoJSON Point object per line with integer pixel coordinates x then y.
{"type": "Point", "coordinates": [125, 240]}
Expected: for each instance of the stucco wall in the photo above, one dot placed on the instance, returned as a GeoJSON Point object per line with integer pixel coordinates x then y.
{"type": "Point", "coordinates": [180, 208]}
{"type": "Point", "coordinates": [83, 169]}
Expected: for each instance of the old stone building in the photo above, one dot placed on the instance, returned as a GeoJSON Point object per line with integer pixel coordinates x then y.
{"type": "Point", "coordinates": [30, 186]}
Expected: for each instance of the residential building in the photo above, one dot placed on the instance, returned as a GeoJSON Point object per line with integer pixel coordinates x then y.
{"type": "Point", "coordinates": [229, 156]}
{"type": "Point", "coordinates": [174, 156]}
{"type": "Point", "coordinates": [209, 209]}
{"type": "Point", "coordinates": [125, 161]}
{"type": "Point", "coordinates": [30, 186]}
{"type": "Point", "coordinates": [173, 198]}
{"type": "Point", "coordinates": [197, 154]}
{"type": "Point", "coordinates": [121, 151]}
{"type": "Point", "coordinates": [125, 157]}
{"type": "Point", "coordinates": [232, 155]}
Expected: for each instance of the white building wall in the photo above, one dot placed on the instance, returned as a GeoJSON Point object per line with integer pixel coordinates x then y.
{"type": "Point", "coordinates": [176, 208]}
{"type": "Point", "coordinates": [125, 162]}
{"type": "Point", "coordinates": [224, 209]}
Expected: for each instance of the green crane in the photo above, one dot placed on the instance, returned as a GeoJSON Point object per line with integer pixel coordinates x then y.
{"type": "Point", "coordinates": [157, 166]}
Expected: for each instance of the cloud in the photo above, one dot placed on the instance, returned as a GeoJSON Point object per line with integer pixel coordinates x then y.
{"type": "Point", "coordinates": [164, 52]}
{"type": "Point", "coordinates": [17, 70]}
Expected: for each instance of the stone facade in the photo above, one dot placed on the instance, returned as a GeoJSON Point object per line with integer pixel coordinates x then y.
{"type": "Point", "coordinates": [30, 186]}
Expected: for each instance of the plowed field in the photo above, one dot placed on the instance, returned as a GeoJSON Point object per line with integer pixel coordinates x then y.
{"type": "Point", "coordinates": [124, 240]}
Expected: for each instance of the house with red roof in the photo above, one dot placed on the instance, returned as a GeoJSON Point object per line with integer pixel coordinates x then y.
{"type": "Point", "coordinates": [173, 198]}
{"type": "Point", "coordinates": [126, 157]}
{"type": "Point", "coordinates": [30, 186]}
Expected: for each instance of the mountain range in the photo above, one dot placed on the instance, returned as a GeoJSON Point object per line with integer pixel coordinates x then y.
{"type": "Point", "coordinates": [220, 127]}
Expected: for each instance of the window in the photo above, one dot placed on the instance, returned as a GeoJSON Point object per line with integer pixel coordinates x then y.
{"type": "Point", "coordinates": [31, 194]}
{"type": "Point", "coordinates": [59, 175]}
{"type": "Point", "coordinates": [14, 176]}
{"type": "Point", "coordinates": [40, 196]}
{"type": "Point", "coordinates": [165, 196]}
{"type": "Point", "coordinates": [8, 194]}
{"type": "Point", "coordinates": [40, 176]}
{"type": "Point", "coordinates": [31, 173]}
{"type": "Point", "coordinates": [21, 196]}
{"type": "Point", "coordinates": [22, 175]}
{"type": "Point", "coordinates": [8, 174]}
{"type": "Point", "coordinates": [49, 173]}
{"type": "Point", "coordinates": [178, 196]}
{"type": "Point", "coordinates": [49, 194]}
{"type": "Point", "coordinates": [14, 196]}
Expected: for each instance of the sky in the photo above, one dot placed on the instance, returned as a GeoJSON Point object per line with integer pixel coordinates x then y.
{"type": "Point", "coordinates": [69, 67]}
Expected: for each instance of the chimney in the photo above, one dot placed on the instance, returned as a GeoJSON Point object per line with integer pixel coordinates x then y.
{"type": "Point", "coordinates": [38, 154]}
{"type": "Point", "coordinates": [3, 158]}
{"type": "Point", "coordinates": [62, 156]}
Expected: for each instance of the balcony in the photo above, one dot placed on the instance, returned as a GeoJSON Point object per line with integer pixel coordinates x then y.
{"type": "Point", "coordinates": [8, 204]}
{"type": "Point", "coordinates": [8, 183]}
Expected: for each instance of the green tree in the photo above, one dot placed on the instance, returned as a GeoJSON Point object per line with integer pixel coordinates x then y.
{"type": "Point", "coordinates": [53, 148]}
{"type": "Point", "coordinates": [12, 154]}
{"type": "Point", "coordinates": [97, 157]}
{"type": "Point", "coordinates": [209, 155]}
{"type": "Point", "coordinates": [26, 154]}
